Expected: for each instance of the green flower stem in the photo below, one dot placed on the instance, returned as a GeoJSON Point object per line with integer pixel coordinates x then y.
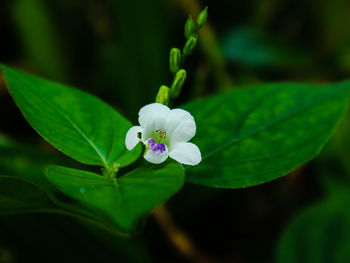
{"type": "Point", "coordinates": [110, 172]}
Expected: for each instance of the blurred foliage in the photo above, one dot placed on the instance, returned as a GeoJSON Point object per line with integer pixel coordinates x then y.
{"type": "Point", "coordinates": [319, 234]}
{"type": "Point", "coordinates": [251, 48]}
{"type": "Point", "coordinates": [120, 48]}
{"type": "Point", "coordinates": [41, 45]}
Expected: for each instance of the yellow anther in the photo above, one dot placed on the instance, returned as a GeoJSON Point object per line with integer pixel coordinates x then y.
{"type": "Point", "coordinates": [161, 133]}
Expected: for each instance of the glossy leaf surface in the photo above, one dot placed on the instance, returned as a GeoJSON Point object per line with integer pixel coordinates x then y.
{"type": "Point", "coordinates": [80, 125]}
{"type": "Point", "coordinates": [123, 200]}
{"type": "Point", "coordinates": [253, 135]}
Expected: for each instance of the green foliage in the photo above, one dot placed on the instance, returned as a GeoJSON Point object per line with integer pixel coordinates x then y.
{"type": "Point", "coordinates": [320, 234]}
{"type": "Point", "coordinates": [38, 37]}
{"type": "Point", "coordinates": [19, 196]}
{"type": "Point", "coordinates": [339, 147]}
{"type": "Point", "coordinates": [253, 135]}
{"type": "Point", "coordinates": [91, 132]}
{"type": "Point", "coordinates": [28, 161]}
{"type": "Point", "coordinates": [254, 49]}
{"type": "Point", "coordinates": [78, 124]}
{"type": "Point", "coordinates": [118, 49]}
{"type": "Point", "coordinates": [123, 200]}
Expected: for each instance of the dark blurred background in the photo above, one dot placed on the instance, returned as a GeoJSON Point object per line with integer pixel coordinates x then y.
{"type": "Point", "coordinates": [118, 50]}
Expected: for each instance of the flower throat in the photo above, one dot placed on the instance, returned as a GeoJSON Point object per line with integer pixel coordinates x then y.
{"type": "Point", "coordinates": [159, 137]}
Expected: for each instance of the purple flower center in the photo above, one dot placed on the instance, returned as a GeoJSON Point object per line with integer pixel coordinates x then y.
{"type": "Point", "coordinates": [156, 148]}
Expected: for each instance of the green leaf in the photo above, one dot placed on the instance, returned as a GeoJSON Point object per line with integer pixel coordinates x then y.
{"type": "Point", "coordinates": [19, 196]}
{"type": "Point", "coordinates": [123, 200]}
{"type": "Point", "coordinates": [28, 161]}
{"type": "Point", "coordinates": [339, 149]}
{"type": "Point", "coordinates": [320, 234]}
{"type": "Point", "coordinates": [76, 123]}
{"type": "Point", "coordinates": [254, 135]}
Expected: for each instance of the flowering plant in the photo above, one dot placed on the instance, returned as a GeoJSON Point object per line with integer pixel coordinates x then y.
{"type": "Point", "coordinates": [119, 173]}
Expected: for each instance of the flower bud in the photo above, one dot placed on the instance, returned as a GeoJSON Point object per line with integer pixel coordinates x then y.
{"type": "Point", "coordinates": [202, 18]}
{"type": "Point", "coordinates": [175, 60]}
{"type": "Point", "coordinates": [189, 27]}
{"type": "Point", "coordinates": [190, 45]}
{"type": "Point", "coordinates": [163, 95]}
{"type": "Point", "coordinates": [178, 83]}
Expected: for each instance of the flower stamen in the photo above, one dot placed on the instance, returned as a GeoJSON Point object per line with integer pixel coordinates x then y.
{"type": "Point", "coordinates": [161, 133]}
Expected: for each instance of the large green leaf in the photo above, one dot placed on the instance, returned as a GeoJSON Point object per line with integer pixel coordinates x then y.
{"type": "Point", "coordinates": [123, 200]}
{"type": "Point", "coordinates": [253, 135]}
{"type": "Point", "coordinates": [78, 124]}
{"type": "Point", "coordinates": [320, 234]}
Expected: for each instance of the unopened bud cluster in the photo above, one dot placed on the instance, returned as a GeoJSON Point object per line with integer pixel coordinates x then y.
{"type": "Point", "coordinates": [191, 31]}
{"type": "Point", "coordinates": [177, 59]}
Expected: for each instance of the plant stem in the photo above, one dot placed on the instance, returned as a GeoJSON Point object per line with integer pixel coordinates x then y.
{"type": "Point", "coordinates": [178, 237]}
{"type": "Point", "coordinates": [110, 172]}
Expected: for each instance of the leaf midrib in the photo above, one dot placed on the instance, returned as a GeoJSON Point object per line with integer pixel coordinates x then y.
{"type": "Point", "coordinates": [72, 123]}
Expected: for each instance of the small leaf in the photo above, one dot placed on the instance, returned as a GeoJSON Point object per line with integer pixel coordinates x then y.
{"type": "Point", "coordinates": [123, 200]}
{"type": "Point", "coordinates": [320, 234]}
{"type": "Point", "coordinates": [78, 124]}
{"type": "Point", "coordinates": [254, 135]}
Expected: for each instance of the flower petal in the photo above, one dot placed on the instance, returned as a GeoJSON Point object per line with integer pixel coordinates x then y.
{"type": "Point", "coordinates": [181, 126]}
{"type": "Point", "coordinates": [186, 153]}
{"type": "Point", "coordinates": [152, 117]}
{"type": "Point", "coordinates": [156, 153]}
{"type": "Point", "coordinates": [148, 113]}
{"type": "Point", "coordinates": [132, 138]}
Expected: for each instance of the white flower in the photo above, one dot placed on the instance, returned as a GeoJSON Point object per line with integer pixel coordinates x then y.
{"type": "Point", "coordinates": [165, 133]}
